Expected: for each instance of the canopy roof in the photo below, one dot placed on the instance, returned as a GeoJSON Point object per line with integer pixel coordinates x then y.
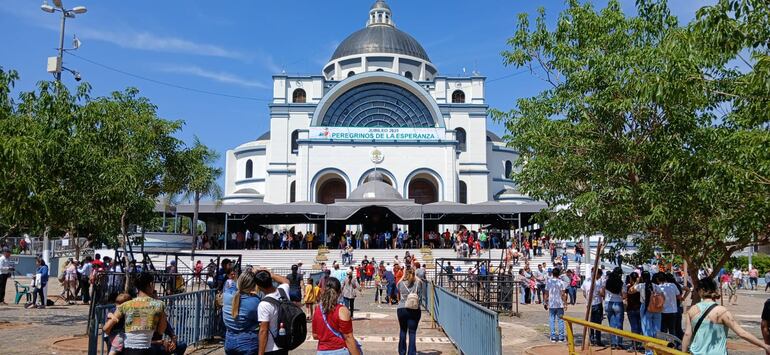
{"type": "Point", "coordinates": [404, 210]}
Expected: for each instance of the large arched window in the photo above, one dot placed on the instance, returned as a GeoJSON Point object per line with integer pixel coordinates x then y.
{"type": "Point", "coordinates": [299, 96]}
{"type": "Point", "coordinates": [458, 97]}
{"type": "Point", "coordinates": [508, 169]}
{"type": "Point", "coordinates": [294, 144]}
{"type": "Point", "coordinates": [463, 198]}
{"type": "Point", "coordinates": [293, 192]}
{"type": "Point", "coordinates": [249, 169]}
{"type": "Point", "coordinates": [460, 135]}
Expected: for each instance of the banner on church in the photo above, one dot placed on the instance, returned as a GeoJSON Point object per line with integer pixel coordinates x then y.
{"type": "Point", "coordinates": [383, 134]}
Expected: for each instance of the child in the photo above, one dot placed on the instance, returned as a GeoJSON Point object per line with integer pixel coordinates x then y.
{"type": "Point", "coordinates": [232, 278]}
{"type": "Point", "coordinates": [311, 296]}
{"type": "Point", "coordinates": [118, 335]}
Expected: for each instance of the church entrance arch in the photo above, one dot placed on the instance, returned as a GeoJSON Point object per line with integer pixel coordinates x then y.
{"type": "Point", "coordinates": [423, 189]}
{"type": "Point", "coordinates": [329, 188]}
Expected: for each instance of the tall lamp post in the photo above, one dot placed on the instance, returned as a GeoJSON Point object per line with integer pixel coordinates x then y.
{"type": "Point", "coordinates": [55, 64]}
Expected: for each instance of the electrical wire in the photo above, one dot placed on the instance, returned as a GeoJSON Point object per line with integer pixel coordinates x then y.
{"type": "Point", "coordinates": [159, 82]}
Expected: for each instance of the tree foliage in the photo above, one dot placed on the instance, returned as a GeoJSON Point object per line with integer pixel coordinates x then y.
{"type": "Point", "coordinates": [648, 127]}
{"type": "Point", "coordinates": [85, 165]}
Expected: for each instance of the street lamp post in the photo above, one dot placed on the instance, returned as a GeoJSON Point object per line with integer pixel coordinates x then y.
{"type": "Point", "coordinates": [55, 64]}
{"type": "Point", "coordinates": [57, 68]}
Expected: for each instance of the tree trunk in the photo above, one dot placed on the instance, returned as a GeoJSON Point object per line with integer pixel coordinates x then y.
{"type": "Point", "coordinates": [693, 273]}
{"type": "Point", "coordinates": [194, 223]}
{"type": "Point", "coordinates": [124, 232]}
{"type": "Point", "coordinates": [73, 241]}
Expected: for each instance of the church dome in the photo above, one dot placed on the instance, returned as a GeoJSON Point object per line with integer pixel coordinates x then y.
{"type": "Point", "coordinates": [380, 39]}
{"type": "Point", "coordinates": [380, 36]}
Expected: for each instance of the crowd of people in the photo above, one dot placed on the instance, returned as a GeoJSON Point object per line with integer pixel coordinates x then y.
{"type": "Point", "coordinates": [396, 239]}
{"type": "Point", "coordinates": [651, 299]}
{"type": "Point", "coordinates": [255, 324]}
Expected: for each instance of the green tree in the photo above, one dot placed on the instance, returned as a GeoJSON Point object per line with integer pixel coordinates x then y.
{"type": "Point", "coordinates": [647, 127]}
{"type": "Point", "coordinates": [202, 179]}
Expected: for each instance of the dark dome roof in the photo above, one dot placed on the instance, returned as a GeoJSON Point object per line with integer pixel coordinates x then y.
{"type": "Point", "coordinates": [375, 190]}
{"type": "Point", "coordinates": [380, 39]}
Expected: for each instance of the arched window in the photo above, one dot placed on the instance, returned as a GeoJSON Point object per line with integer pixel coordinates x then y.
{"type": "Point", "coordinates": [249, 169]}
{"type": "Point", "coordinates": [508, 169]}
{"type": "Point", "coordinates": [408, 75]}
{"type": "Point", "coordinates": [351, 73]}
{"type": "Point", "coordinates": [299, 96]}
{"type": "Point", "coordinates": [463, 198]}
{"type": "Point", "coordinates": [458, 97]}
{"type": "Point", "coordinates": [460, 135]}
{"type": "Point", "coordinates": [294, 145]}
{"type": "Point", "coordinates": [380, 69]}
{"type": "Point", "coordinates": [293, 192]}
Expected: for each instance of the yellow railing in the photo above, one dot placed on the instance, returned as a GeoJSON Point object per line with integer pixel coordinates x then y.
{"type": "Point", "coordinates": [658, 346]}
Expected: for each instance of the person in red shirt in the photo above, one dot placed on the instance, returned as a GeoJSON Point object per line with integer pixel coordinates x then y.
{"type": "Point", "coordinates": [332, 324]}
{"type": "Point", "coordinates": [369, 274]}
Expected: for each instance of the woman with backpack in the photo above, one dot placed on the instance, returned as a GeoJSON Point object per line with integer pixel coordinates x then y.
{"type": "Point", "coordinates": [615, 292]}
{"type": "Point", "coordinates": [652, 300]}
{"type": "Point", "coordinates": [408, 311]}
{"type": "Point", "coordinates": [333, 323]}
{"type": "Point", "coordinates": [707, 322]}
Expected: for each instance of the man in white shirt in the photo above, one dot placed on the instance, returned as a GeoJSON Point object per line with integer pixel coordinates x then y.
{"type": "Point", "coordinates": [556, 303]}
{"type": "Point", "coordinates": [267, 313]}
{"type": "Point", "coordinates": [6, 269]}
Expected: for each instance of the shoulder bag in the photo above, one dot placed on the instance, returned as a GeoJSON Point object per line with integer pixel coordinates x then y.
{"type": "Point", "coordinates": [338, 334]}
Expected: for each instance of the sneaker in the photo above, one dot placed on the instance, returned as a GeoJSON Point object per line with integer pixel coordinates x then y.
{"type": "Point", "coordinates": [553, 340]}
{"type": "Point", "coordinates": [561, 340]}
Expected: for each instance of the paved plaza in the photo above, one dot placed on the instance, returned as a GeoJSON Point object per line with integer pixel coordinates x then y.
{"type": "Point", "coordinates": [51, 330]}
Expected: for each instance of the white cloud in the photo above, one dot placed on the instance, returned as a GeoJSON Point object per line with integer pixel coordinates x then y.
{"type": "Point", "coordinates": [221, 77]}
{"type": "Point", "coordinates": [153, 42]}
{"type": "Point", "coordinates": [127, 38]}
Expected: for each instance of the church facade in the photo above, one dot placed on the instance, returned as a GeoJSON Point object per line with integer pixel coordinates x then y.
{"type": "Point", "coordinates": [378, 104]}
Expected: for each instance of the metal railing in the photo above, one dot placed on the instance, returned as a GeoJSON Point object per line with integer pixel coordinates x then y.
{"type": "Point", "coordinates": [108, 285]}
{"type": "Point", "coordinates": [497, 292]}
{"type": "Point", "coordinates": [194, 317]}
{"type": "Point", "coordinates": [657, 346]}
{"type": "Point", "coordinates": [457, 315]}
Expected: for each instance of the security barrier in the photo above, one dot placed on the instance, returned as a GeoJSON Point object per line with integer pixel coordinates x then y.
{"type": "Point", "coordinates": [194, 317]}
{"type": "Point", "coordinates": [657, 346]}
{"type": "Point", "coordinates": [457, 316]}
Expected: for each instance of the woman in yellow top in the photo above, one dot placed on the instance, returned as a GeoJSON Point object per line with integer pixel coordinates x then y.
{"type": "Point", "coordinates": [311, 297]}
{"type": "Point", "coordinates": [309, 240]}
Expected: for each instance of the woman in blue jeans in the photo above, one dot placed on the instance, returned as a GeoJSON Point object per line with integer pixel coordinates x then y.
{"type": "Point", "coordinates": [615, 292]}
{"type": "Point", "coordinates": [239, 312]}
{"type": "Point", "coordinates": [633, 306]}
{"type": "Point", "coordinates": [408, 315]}
{"type": "Point", "coordinates": [646, 288]}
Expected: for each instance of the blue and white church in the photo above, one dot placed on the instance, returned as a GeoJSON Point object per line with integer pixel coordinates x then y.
{"type": "Point", "coordinates": [381, 105]}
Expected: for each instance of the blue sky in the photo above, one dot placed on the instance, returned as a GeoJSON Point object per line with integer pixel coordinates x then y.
{"type": "Point", "coordinates": [233, 48]}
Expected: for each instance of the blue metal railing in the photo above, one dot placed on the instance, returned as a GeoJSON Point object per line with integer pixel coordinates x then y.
{"type": "Point", "coordinates": [194, 317]}
{"type": "Point", "coordinates": [457, 316]}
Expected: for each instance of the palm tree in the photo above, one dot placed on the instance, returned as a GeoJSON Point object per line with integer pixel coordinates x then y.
{"type": "Point", "coordinates": [202, 180]}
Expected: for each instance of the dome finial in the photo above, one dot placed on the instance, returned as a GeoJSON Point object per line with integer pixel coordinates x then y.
{"type": "Point", "coordinates": [379, 14]}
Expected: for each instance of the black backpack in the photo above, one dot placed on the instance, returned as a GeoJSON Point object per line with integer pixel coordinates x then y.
{"type": "Point", "coordinates": [293, 319]}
